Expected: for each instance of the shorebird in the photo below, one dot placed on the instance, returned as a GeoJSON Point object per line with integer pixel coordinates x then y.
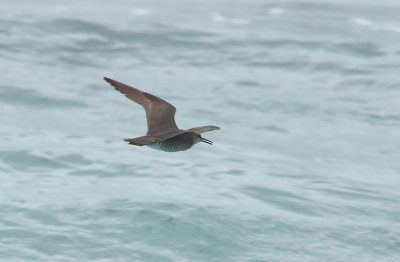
{"type": "Point", "coordinates": [162, 131]}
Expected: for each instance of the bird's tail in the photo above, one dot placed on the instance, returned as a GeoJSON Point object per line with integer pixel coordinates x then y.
{"type": "Point", "coordinates": [140, 141]}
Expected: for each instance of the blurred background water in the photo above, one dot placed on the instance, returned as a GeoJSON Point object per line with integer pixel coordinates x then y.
{"type": "Point", "coordinates": [305, 168]}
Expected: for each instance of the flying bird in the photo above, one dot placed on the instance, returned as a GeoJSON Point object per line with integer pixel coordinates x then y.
{"type": "Point", "coordinates": [162, 131]}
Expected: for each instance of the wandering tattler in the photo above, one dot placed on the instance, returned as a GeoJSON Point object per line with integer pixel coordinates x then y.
{"type": "Point", "coordinates": [162, 131]}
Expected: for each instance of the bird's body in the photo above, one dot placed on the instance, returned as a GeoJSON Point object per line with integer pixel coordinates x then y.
{"type": "Point", "coordinates": [176, 143]}
{"type": "Point", "coordinates": [163, 133]}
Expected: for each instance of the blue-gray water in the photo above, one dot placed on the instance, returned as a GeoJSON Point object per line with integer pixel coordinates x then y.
{"type": "Point", "coordinates": [305, 168]}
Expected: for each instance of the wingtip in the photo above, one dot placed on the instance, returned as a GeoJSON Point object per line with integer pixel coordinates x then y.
{"type": "Point", "coordinates": [127, 140]}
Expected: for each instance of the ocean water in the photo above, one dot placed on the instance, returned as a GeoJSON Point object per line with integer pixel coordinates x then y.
{"type": "Point", "coordinates": [305, 168]}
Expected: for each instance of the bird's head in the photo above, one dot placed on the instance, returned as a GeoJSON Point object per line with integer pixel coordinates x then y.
{"type": "Point", "coordinates": [201, 139]}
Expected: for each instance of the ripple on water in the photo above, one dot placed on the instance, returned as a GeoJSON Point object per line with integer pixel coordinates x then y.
{"type": "Point", "coordinates": [25, 161]}
{"type": "Point", "coordinates": [30, 98]}
{"type": "Point", "coordinates": [283, 200]}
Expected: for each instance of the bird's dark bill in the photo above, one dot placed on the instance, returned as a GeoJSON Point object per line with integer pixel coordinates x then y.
{"type": "Point", "coordinates": [206, 141]}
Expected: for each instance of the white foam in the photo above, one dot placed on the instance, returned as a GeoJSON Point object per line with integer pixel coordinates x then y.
{"type": "Point", "coordinates": [217, 17]}
{"type": "Point", "coordinates": [140, 12]}
{"type": "Point", "coordinates": [376, 26]}
{"type": "Point", "coordinates": [276, 11]}
{"type": "Point", "coordinates": [362, 21]}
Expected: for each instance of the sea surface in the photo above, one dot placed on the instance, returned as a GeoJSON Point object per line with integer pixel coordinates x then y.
{"type": "Point", "coordinates": [306, 166]}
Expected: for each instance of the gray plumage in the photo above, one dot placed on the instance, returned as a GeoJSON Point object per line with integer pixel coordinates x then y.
{"type": "Point", "coordinates": [162, 131]}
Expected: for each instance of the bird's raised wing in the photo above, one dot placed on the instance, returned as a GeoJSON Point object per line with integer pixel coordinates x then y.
{"type": "Point", "coordinates": [159, 113]}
